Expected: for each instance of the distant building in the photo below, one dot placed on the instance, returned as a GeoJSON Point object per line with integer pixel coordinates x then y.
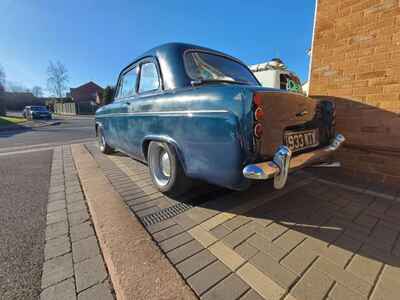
{"type": "Point", "coordinates": [86, 93]}
{"type": "Point", "coordinates": [274, 74]}
{"type": "Point", "coordinates": [84, 98]}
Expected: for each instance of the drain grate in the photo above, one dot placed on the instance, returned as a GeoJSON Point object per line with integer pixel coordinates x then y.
{"type": "Point", "coordinates": [165, 213]}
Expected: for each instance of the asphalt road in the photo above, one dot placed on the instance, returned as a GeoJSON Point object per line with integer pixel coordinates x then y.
{"type": "Point", "coordinates": [24, 187]}
{"type": "Point", "coordinates": [68, 131]}
{"type": "Point", "coordinates": [25, 162]}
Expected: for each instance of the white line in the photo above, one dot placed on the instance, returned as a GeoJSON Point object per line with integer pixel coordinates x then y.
{"type": "Point", "coordinates": [26, 151]}
{"type": "Point", "coordinates": [40, 147]}
{"type": "Point", "coordinates": [25, 147]}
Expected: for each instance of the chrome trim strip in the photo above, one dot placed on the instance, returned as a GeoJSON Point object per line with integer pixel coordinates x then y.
{"type": "Point", "coordinates": [176, 112]}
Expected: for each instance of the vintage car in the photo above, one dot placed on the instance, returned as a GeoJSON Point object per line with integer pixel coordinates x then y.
{"type": "Point", "coordinates": [194, 113]}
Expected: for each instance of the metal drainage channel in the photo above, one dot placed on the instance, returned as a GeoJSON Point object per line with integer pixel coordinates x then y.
{"type": "Point", "coordinates": [169, 212]}
{"type": "Point", "coordinates": [165, 213]}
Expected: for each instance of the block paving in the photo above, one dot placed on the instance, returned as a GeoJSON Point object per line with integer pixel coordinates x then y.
{"type": "Point", "coordinates": [315, 239]}
{"type": "Point", "coordinates": [73, 267]}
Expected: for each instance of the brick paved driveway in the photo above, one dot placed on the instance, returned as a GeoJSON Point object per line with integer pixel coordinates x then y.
{"type": "Point", "coordinates": [313, 240]}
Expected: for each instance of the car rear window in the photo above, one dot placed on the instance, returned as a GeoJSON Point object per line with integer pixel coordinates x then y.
{"type": "Point", "coordinates": [208, 66]}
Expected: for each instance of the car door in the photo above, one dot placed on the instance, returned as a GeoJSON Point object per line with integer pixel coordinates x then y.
{"type": "Point", "coordinates": [140, 122]}
{"type": "Point", "coordinates": [119, 110]}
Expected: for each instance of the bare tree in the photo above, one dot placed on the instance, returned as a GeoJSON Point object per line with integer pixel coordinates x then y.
{"type": "Point", "coordinates": [37, 91]}
{"type": "Point", "coordinates": [57, 78]}
{"type": "Point", "coordinates": [2, 78]}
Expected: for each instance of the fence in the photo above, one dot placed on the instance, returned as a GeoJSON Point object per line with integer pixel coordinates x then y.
{"type": "Point", "coordinates": [72, 108]}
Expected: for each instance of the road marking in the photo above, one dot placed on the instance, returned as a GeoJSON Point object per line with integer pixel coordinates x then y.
{"type": "Point", "coordinates": [39, 147]}
{"type": "Point", "coordinates": [25, 147]}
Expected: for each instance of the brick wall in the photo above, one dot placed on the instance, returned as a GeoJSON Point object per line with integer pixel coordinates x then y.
{"type": "Point", "coordinates": [356, 61]}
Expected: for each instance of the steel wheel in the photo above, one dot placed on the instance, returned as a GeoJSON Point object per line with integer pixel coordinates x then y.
{"type": "Point", "coordinates": [160, 163]}
{"type": "Point", "coordinates": [166, 170]}
{"type": "Point", "coordinates": [104, 147]}
{"type": "Point", "coordinates": [101, 140]}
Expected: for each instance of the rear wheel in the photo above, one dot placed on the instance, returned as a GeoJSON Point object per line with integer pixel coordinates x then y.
{"type": "Point", "coordinates": [165, 169]}
{"type": "Point", "coordinates": [104, 147]}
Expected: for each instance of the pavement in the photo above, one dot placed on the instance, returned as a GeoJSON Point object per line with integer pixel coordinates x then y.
{"type": "Point", "coordinates": [316, 239]}
{"type": "Point", "coordinates": [73, 265]}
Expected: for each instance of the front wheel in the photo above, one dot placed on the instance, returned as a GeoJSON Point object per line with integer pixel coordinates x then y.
{"type": "Point", "coordinates": [165, 169]}
{"type": "Point", "coordinates": [104, 147]}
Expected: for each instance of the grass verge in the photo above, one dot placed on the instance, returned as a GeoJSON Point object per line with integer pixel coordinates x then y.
{"type": "Point", "coordinates": [7, 121]}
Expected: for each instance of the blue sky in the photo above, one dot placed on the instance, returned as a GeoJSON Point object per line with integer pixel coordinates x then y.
{"type": "Point", "coordinates": [95, 39]}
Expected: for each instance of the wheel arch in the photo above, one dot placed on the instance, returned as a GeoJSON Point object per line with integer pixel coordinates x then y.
{"type": "Point", "coordinates": [165, 139]}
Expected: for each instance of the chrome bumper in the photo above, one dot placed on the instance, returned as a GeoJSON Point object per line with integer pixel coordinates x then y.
{"type": "Point", "coordinates": [283, 163]}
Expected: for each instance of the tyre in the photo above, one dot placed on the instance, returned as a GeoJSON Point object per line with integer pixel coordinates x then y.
{"type": "Point", "coordinates": [166, 170]}
{"type": "Point", "coordinates": [104, 147]}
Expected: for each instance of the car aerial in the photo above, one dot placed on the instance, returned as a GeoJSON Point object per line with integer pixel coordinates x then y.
{"type": "Point", "coordinates": [36, 112]}
{"type": "Point", "coordinates": [190, 112]}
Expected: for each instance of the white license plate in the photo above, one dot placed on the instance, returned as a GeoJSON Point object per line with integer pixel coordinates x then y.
{"type": "Point", "coordinates": [301, 140]}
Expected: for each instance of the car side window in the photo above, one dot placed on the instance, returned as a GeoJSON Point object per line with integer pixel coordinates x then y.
{"type": "Point", "coordinates": [127, 84]}
{"type": "Point", "coordinates": [149, 80]}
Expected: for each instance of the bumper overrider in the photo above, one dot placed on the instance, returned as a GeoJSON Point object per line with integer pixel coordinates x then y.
{"type": "Point", "coordinates": [283, 163]}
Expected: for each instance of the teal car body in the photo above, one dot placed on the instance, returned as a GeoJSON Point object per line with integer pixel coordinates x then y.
{"type": "Point", "coordinates": [210, 123]}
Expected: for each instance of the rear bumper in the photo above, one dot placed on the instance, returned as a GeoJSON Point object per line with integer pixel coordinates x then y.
{"type": "Point", "coordinates": [283, 163]}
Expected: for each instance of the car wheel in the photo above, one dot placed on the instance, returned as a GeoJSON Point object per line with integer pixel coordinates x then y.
{"type": "Point", "coordinates": [166, 170]}
{"type": "Point", "coordinates": [104, 147]}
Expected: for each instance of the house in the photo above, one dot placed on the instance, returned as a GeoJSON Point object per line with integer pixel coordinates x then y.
{"type": "Point", "coordinates": [84, 100]}
{"type": "Point", "coordinates": [86, 93]}
{"type": "Point", "coordinates": [355, 60]}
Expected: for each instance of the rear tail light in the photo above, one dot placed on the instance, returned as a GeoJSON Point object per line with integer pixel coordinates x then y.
{"type": "Point", "coordinates": [258, 115]}
{"type": "Point", "coordinates": [258, 130]}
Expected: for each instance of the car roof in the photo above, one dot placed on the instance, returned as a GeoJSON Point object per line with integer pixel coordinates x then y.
{"type": "Point", "coordinates": [170, 60]}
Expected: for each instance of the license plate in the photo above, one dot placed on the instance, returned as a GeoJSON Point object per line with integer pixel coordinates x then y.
{"type": "Point", "coordinates": [301, 140]}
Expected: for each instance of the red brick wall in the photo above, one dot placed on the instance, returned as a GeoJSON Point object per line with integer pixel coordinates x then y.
{"type": "Point", "coordinates": [356, 60]}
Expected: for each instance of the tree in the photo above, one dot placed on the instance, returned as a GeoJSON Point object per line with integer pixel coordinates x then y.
{"type": "Point", "coordinates": [57, 78]}
{"type": "Point", "coordinates": [37, 91]}
{"type": "Point", "coordinates": [2, 78]}
{"type": "Point", "coordinates": [107, 95]}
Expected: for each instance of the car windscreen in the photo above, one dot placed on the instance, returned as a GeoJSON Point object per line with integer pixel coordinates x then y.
{"type": "Point", "coordinates": [204, 66]}
{"type": "Point", "coordinates": [38, 108]}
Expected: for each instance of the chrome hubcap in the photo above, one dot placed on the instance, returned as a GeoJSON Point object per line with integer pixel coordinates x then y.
{"type": "Point", "coordinates": [101, 140]}
{"type": "Point", "coordinates": [165, 164]}
{"type": "Point", "coordinates": [160, 164]}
